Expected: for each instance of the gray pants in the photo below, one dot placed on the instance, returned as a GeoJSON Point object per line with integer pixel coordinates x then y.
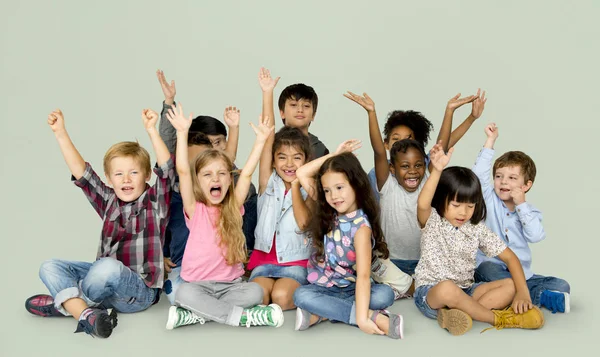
{"type": "Point", "coordinates": [219, 301]}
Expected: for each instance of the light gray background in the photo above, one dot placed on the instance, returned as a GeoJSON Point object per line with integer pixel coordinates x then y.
{"type": "Point", "coordinates": [538, 60]}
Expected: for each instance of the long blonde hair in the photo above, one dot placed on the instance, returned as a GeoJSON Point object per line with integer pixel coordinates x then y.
{"type": "Point", "coordinates": [230, 218]}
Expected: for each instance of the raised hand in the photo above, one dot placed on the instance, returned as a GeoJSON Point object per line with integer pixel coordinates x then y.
{"type": "Point", "coordinates": [263, 130]}
{"type": "Point", "coordinates": [457, 102]}
{"type": "Point", "coordinates": [266, 82]}
{"type": "Point", "coordinates": [438, 158]}
{"type": "Point", "coordinates": [364, 101]}
{"type": "Point", "coordinates": [348, 146]}
{"type": "Point", "coordinates": [232, 116]}
{"type": "Point", "coordinates": [56, 121]}
{"type": "Point", "coordinates": [168, 89]}
{"type": "Point", "coordinates": [478, 104]}
{"type": "Point", "coordinates": [491, 131]}
{"type": "Point", "coordinates": [178, 120]}
{"type": "Point", "coordinates": [149, 118]}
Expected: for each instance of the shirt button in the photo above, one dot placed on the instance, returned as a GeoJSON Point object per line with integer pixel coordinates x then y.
{"type": "Point", "coordinates": [283, 209]}
{"type": "Point", "coordinates": [506, 230]}
{"type": "Point", "coordinates": [508, 214]}
{"type": "Point", "coordinates": [518, 210]}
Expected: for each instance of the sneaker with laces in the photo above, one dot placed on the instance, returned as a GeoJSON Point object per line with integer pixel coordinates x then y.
{"type": "Point", "coordinates": [271, 315]}
{"type": "Point", "coordinates": [556, 301]}
{"type": "Point", "coordinates": [97, 322]}
{"type": "Point", "coordinates": [181, 317]}
{"type": "Point", "coordinates": [508, 318]}
{"type": "Point", "coordinates": [42, 305]}
{"type": "Point", "coordinates": [457, 322]}
{"type": "Point", "coordinates": [396, 323]}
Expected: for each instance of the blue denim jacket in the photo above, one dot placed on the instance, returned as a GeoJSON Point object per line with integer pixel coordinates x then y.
{"type": "Point", "coordinates": [276, 217]}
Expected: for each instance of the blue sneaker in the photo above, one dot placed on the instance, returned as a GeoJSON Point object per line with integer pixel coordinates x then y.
{"type": "Point", "coordinates": [555, 301]}
{"type": "Point", "coordinates": [97, 322]}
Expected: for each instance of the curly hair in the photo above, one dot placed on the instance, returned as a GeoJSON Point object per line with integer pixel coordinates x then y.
{"type": "Point", "coordinates": [415, 121]}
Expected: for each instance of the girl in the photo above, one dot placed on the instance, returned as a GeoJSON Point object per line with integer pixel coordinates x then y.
{"type": "Point", "coordinates": [346, 236]}
{"type": "Point", "coordinates": [451, 211]}
{"type": "Point", "coordinates": [215, 250]}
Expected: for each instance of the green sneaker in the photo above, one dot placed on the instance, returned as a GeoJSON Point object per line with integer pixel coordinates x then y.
{"type": "Point", "coordinates": [181, 317]}
{"type": "Point", "coordinates": [261, 315]}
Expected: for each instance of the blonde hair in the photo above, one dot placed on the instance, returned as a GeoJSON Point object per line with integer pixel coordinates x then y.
{"type": "Point", "coordinates": [230, 218]}
{"type": "Point", "coordinates": [128, 149]}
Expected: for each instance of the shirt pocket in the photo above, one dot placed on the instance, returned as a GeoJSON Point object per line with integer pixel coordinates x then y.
{"type": "Point", "coordinates": [138, 221]}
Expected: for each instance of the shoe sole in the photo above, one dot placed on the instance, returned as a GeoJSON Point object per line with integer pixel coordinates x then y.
{"type": "Point", "coordinates": [401, 332]}
{"type": "Point", "coordinates": [106, 324]}
{"type": "Point", "coordinates": [567, 302]}
{"type": "Point", "coordinates": [172, 318]}
{"type": "Point", "coordinates": [279, 312]}
{"type": "Point", "coordinates": [32, 309]}
{"type": "Point", "coordinates": [299, 318]}
{"type": "Point", "coordinates": [455, 321]}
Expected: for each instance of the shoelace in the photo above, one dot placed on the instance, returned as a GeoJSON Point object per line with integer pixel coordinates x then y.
{"type": "Point", "coordinates": [257, 317]}
{"type": "Point", "coordinates": [189, 318]}
{"type": "Point", "coordinates": [504, 320]}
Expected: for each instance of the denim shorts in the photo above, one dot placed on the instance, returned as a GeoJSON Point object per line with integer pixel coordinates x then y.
{"type": "Point", "coordinates": [420, 297]}
{"type": "Point", "coordinates": [295, 272]}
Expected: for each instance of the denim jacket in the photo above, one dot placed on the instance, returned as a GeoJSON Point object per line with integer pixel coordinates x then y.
{"type": "Point", "coordinates": [276, 217]}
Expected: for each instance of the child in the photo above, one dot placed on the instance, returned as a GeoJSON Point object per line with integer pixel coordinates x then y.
{"type": "Point", "coordinates": [128, 272]}
{"type": "Point", "coordinates": [513, 218]}
{"type": "Point", "coordinates": [451, 212]}
{"type": "Point", "coordinates": [346, 237]}
{"type": "Point", "coordinates": [212, 265]}
{"type": "Point", "coordinates": [297, 107]}
{"type": "Point", "coordinates": [400, 180]}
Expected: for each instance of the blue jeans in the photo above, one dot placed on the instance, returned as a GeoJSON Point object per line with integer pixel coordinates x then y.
{"type": "Point", "coordinates": [172, 283]}
{"type": "Point", "coordinates": [274, 271]}
{"type": "Point", "coordinates": [420, 297]}
{"type": "Point", "coordinates": [338, 304]}
{"type": "Point", "coordinates": [488, 271]}
{"type": "Point", "coordinates": [106, 283]}
{"type": "Point", "coordinates": [407, 266]}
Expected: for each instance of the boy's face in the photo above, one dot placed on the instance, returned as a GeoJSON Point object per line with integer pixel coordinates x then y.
{"type": "Point", "coordinates": [508, 178]}
{"type": "Point", "coordinates": [214, 180]}
{"type": "Point", "coordinates": [409, 169]}
{"type": "Point", "coordinates": [127, 178]}
{"type": "Point", "coordinates": [219, 142]}
{"type": "Point", "coordinates": [297, 113]}
{"type": "Point", "coordinates": [398, 133]}
{"type": "Point", "coordinates": [286, 160]}
{"type": "Point", "coordinates": [194, 151]}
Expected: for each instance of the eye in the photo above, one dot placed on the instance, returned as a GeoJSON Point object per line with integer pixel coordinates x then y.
{"type": "Point", "coordinates": [471, 205]}
{"type": "Point", "coordinates": [326, 190]}
{"type": "Point", "coordinates": [404, 167]}
{"type": "Point", "coordinates": [206, 175]}
{"type": "Point", "coordinates": [513, 178]}
{"type": "Point", "coordinates": [454, 204]}
{"type": "Point", "coordinates": [292, 104]}
{"type": "Point", "coordinates": [118, 174]}
{"type": "Point", "coordinates": [134, 172]}
{"type": "Point", "coordinates": [306, 105]}
{"type": "Point", "coordinates": [419, 165]}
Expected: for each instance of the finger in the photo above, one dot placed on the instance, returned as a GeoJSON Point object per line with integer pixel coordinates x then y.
{"type": "Point", "coordinates": [478, 92]}
{"type": "Point", "coordinates": [254, 127]}
{"type": "Point", "coordinates": [173, 84]}
{"type": "Point", "coordinates": [450, 152]}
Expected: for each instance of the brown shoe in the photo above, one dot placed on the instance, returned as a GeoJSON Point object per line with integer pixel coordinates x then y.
{"type": "Point", "coordinates": [457, 322]}
{"type": "Point", "coordinates": [507, 318]}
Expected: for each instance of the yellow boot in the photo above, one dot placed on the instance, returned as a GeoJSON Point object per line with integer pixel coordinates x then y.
{"type": "Point", "coordinates": [507, 318]}
{"type": "Point", "coordinates": [457, 322]}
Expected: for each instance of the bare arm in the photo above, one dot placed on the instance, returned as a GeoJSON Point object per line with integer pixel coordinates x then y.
{"type": "Point", "coordinates": [231, 116]}
{"type": "Point", "coordinates": [149, 118]}
{"type": "Point", "coordinates": [300, 206]}
{"type": "Point", "coordinates": [166, 130]}
{"type": "Point", "coordinates": [522, 300]}
{"type": "Point", "coordinates": [478, 104]}
{"type": "Point", "coordinates": [72, 157]}
{"type": "Point", "coordinates": [267, 85]}
{"type": "Point", "coordinates": [362, 246]}
{"type": "Point", "coordinates": [439, 161]}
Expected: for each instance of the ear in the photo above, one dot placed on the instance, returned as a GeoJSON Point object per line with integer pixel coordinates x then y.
{"type": "Point", "coordinates": [281, 114]}
{"type": "Point", "coordinates": [386, 145]}
{"type": "Point", "coordinates": [527, 186]}
{"type": "Point", "coordinates": [392, 169]}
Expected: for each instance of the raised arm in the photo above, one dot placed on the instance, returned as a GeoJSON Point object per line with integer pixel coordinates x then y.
{"type": "Point", "coordinates": [263, 131]}
{"type": "Point", "coordinates": [477, 109]}
{"type": "Point", "coordinates": [166, 130]}
{"type": "Point", "coordinates": [231, 116]}
{"type": "Point", "coordinates": [182, 125]}
{"type": "Point", "coordinates": [267, 85]}
{"type": "Point", "coordinates": [149, 118]}
{"type": "Point", "coordinates": [72, 157]}
{"type": "Point", "coordinates": [439, 160]}
{"type": "Point", "coordinates": [446, 128]}
{"type": "Point", "coordinates": [382, 167]}
{"type": "Point", "coordinates": [483, 164]}
{"type": "Point", "coordinates": [306, 173]}
{"type": "Point", "coordinates": [300, 206]}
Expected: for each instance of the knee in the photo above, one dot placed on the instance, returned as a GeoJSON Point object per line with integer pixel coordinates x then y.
{"type": "Point", "coordinates": [104, 270]}
{"type": "Point", "coordinates": [508, 285]}
{"type": "Point", "coordinates": [255, 293]}
{"type": "Point", "coordinates": [301, 295]}
{"type": "Point", "coordinates": [562, 286]}
{"type": "Point", "coordinates": [382, 296]}
{"type": "Point", "coordinates": [282, 297]}
{"type": "Point", "coordinates": [182, 293]}
{"type": "Point", "coordinates": [48, 268]}
{"type": "Point", "coordinates": [450, 292]}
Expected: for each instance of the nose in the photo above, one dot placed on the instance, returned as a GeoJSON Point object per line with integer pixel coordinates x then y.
{"type": "Point", "coordinates": [126, 178]}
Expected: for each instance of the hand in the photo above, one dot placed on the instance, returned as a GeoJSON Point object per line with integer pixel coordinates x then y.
{"type": "Point", "coordinates": [149, 118]}
{"type": "Point", "coordinates": [457, 102]}
{"type": "Point", "coordinates": [438, 158]}
{"type": "Point", "coordinates": [56, 121]}
{"type": "Point", "coordinates": [178, 120]}
{"type": "Point", "coordinates": [521, 303]}
{"type": "Point", "coordinates": [168, 90]}
{"type": "Point", "coordinates": [365, 101]}
{"type": "Point", "coordinates": [263, 131]}
{"type": "Point", "coordinates": [369, 327]}
{"type": "Point", "coordinates": [491, 130]}
{"type": "Point", "coordinates": [232, 117]}
{"type": "Point", "coordinates": [169, 265]}
{"type": "Point", "coordinates": [348, 146]}
{"type": "Point", "coordinates": [478, 104]}
{"type": "Point", "coordinates": [267, 83]}
{"type": "Point", "coordinates": [518, 194]}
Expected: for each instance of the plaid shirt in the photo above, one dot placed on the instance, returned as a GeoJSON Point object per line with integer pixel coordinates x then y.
{"type": "Point", "coordinates": [133, 232]}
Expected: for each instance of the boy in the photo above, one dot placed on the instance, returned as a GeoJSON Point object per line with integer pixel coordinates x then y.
{"type": "Point", "coordinates": [515, 220]}
{"type": "Point", "coordinates": [128, 272]}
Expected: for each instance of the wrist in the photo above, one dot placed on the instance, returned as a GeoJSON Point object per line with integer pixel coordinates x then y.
{"type": "Point", "coordinates": [268, 90]}
{"type": "Point", "coordinates": [151, 130]}
{"type": "Point", "coordinates": [169, 101]}
{"type": "Point", "coordinates": [450, 110]}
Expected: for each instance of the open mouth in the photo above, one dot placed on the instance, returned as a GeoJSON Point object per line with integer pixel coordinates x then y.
{"type": "Point", "coordinates": [289, 172]}
{"type": "Point", "coordinates": [504, 190]}
{"type": "Point", "coordinates": [127, 189]}
{"type": "Point", "coordinates": [216, 191]}
{"type": "Point", "coordinates": [412, 182]}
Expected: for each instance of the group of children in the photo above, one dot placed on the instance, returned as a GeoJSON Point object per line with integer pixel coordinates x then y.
{"type": "Point", "coordinates": [320, 235]}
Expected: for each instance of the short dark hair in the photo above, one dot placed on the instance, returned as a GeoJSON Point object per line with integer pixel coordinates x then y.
{"type": "Point", "coordinates": [420, 125]}
{"type": "Point", "coordinates": [296, 92]}
{"type": "Point", "coordinates": [403, 145]}
{"type": "Point", "coordinates": [198, 139]}
{"type": "Point", "coordinates": [288, 136]}
{"type": "Point", "coordinates": [208, 125]}
{"type": "Point", "coordinates": [462, 185]}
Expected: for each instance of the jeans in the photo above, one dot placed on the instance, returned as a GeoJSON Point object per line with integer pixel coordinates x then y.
{"type": "Point", "coordinates": [338, 304]}
{"type": "Point", "coordinates": [488, 271]}
{"type": "Point", "coordinates": [106, 283]}
{"type": "Point", "coordinates": [407, 266]}
{"type": "Point", "coordinates": [172, 283]}
{"type": "Point", "coordinates": [421, 298]}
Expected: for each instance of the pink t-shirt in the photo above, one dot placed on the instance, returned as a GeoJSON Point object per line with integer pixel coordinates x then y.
{"type": "Point", "coordinates": [203, 259]}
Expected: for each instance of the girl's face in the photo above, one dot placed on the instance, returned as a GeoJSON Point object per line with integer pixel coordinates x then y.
{"type": "Point", "coordinates": [286, 160]}
{"type": "Point", "coordinates": [409, 169]}
{"type": "Point", "coordinates": [214, 180]}
{"type": "Point", "coordinates": [398, 133]}
{"type": "Point", "coordinates": [338, 192]}
{"type": "Point", "coordinates": [458, 213]}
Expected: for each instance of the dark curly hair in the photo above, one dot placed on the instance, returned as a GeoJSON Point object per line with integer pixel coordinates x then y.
{"type": "Point", "coordinates": [289, 136]}
{"type": "Point", "coordinates": [324, 218]}
{"type": "Point", "coordinates": [403, 146]}
{"type": "Point", "coordinates": [420, 125]}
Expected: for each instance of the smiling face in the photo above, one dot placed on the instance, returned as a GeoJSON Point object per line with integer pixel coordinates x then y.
{"type": "Point", "coordinates": [398, 133]}
{"type": "Point", "coordinates": [214, 180]}
{"type": "Point", "coordinates": [127, 178]}
{"type": "Point", "coordinates": [458, 213]}
{"type": "Point", "coordinates": [338, 192]}
{"type": "Point", "coordinates": [298, 113]}
{"type": "Point", "coordinates": [409, 169]}
{"type": "Point", "coordinates": [508, 178]}
{"type": "Point", "coordinates": [286, 160]}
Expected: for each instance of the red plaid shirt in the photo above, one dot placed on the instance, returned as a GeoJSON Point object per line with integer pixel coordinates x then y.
{"type": "Point", "coordinates": [133, 232]}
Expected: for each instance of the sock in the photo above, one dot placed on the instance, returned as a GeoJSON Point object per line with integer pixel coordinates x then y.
{"type": "Point", "coordinates": [85, 313]}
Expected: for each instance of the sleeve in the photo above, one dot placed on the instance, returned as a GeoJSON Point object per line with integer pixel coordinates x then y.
{"type": "Point", "coordinates": [166, 131]}
{"type": "Point", "coordinates": [160, 192]}
{"type": "Point", "coordinates": [489, 242]}
{"type": "Point", "coordinates": [94, 189]}
{"type": "Point", "coordinates": [433, 221]}
{"type": "Point", "coordinates": [531, 221]}
{"type": "Point", "coordinates": [483, 169]}
{"type": "Point", "coordinates": [387, 189]}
